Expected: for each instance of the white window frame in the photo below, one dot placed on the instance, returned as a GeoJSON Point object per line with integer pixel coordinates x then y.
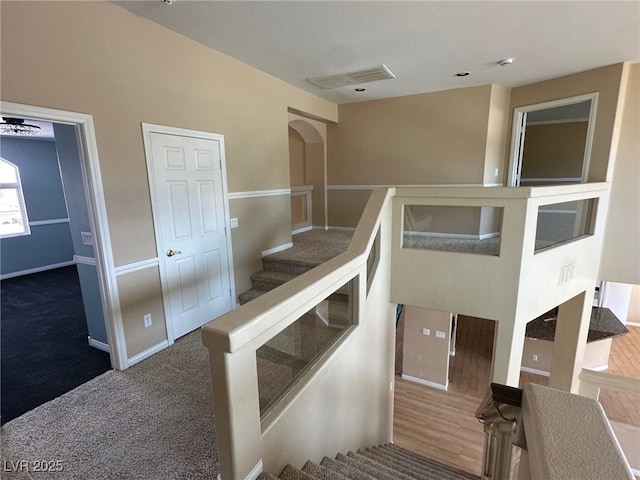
{"type": "Point", "coordinates": [23, 207]}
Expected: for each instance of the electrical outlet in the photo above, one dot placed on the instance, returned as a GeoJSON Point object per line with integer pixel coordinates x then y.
{"type": "Point", "coordinates": [147, 320]}
{"type": "Point", "coordinates": [426, 331]}
{"type": "Point", "coordinates": [234, 222]}
{"type": "Point", "coordinates": [534, 358]}
{"type": "Point", "coordinates": [440, 334]}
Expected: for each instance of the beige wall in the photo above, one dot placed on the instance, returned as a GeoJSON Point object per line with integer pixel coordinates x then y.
{"type": "Point", "coordinates": [417, 139]}
{"type": "Point", "coordinates": [426, 357]}
{"type": "Point", "coordinates": [497, 134]}
{"type": "Point", "coordinates": [98, 58]}
{"type": "Point", "coordinates": [606, 81]}
{"type": "Point", "coordinates": [442, 219]}
{"type": "Point", "coordinates": [596, 354]}
{"type": "Point", "coordinates": [265, 223]}
{"type": "Point", "coordinates": [621, 250]}
{"type": "Point", "coordinates": [138, 292]}
{"type": "Point", "coordinates": [345, 206]}
{"type": "Point", "coordinates": [431, 138]}
{"type": "Point", "coordinates": [543, 349]}
{"type": "Point", "coordinates": [633, 316]}
{"type": "Point", "coordinates": [554, 150]}
{"type": "Point", "coordinates": [297, 159]}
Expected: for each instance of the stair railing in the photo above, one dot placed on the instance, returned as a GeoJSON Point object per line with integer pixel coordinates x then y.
{"type": "Point", "coordinates": [248, 443]}
{"type": "Point", "coordinates": [356, 373]}
{"type": "Point", "coordinates": [559, 435]}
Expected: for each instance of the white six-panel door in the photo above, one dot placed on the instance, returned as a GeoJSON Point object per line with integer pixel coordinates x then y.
{"type": "Point", "coordinates": [186, 178]}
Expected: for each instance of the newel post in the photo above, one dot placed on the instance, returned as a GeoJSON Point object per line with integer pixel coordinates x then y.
{"type": "Point", "coordinates": [237, 411]}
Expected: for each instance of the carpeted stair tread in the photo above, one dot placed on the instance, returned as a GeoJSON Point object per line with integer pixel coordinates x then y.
{"type": "Point", "coordinates": [278, 356]}
{"type": "Point", "coordinates": [284, 265]}
{"type": "Point", "coordinates": [347, 470]}
{"type": "Point", "coordinates": [414, 470]}
{"type": "Point", "coordinates": [291, 473]}
{"type": "Point", "coordinates": [400, 465]}
{"type": "Point", "coordinates": [266, 476]}
{"type": "Point", "coordinates": [311, 249]}
{"type": "Point", "coordinates": [373, 468]}
{"type": "Point", "coordinates": [374, 472]}
{"type": "Point", "coordinates": [416, 457]}
{"type": "Point", "coordinates": [249, 295]}
{"type": "Point", "coordinates": [268, 279]}
{"type": "Point", "coordinates": [322, 473]}
{"type": "Point", "coordinates": [421, 468]}
{"type": "Point", "coordinates": [367, 458]}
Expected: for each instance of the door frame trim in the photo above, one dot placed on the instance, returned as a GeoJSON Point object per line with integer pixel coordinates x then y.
{"type": "Point", "coordinates": [96, 205]}
{"type": "Point", "coordinates": [147, 130]}
{"type": "Point", "coordinates": [518, 112]}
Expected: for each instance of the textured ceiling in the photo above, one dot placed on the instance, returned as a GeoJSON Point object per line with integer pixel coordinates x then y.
{"type": "Point", "coordinates": [424, 43]}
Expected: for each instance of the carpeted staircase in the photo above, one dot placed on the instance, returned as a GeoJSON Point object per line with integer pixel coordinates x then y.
{"type": "Point", "coordinates": [309, 250]}
{"type": "Point", "coordinates": [286, 355]}
{"type": "Point", "coordinates": [387, 462]}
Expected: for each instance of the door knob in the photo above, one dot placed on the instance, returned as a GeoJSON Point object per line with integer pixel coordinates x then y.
{"type": "Point", "coordinates": [171, 253]}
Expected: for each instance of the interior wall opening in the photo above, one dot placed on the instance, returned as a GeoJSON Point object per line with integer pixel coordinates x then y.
{"type": "Point", "coordinates": [54, 335]}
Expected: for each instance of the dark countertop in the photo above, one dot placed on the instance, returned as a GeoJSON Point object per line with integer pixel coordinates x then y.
{"type": "Point", "coordinates": [604, 324]}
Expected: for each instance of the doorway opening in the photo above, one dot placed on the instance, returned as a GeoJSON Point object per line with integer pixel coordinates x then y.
{"type": "Point", "coordinates": [90, 176]}
{"type": "Point", "coordinates": [54, 336]}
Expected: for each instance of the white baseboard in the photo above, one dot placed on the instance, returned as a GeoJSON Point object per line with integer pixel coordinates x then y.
{"type": "Point", "coordinates": [37, 270]}
{"type": "Point", "coordinates": [99, 345]}
{"type": "Point", "coordinates": [632, 324]}
{"type": "Point", "coordinates": [601, 368]}
{"type": "Point", "coordinates": [461, 236]}
{"type": "Point", "coordinates": [344, 229]}
{"type": "Point", "coordinates": [439, 386]}
{"type": "Point", "coordinates": [277, 249]}
{"type": "Point", "coordinates": [255, 473]}
{"type": "Point", "coordinates": [484, 236]}
{"type": "Point", "coordinates": [147, 353]}
{"type": "Point", "coordinates": [535, 372]}
{"type": "Point", "coordinates": [84, 260]}
{"type": "Point", "coordinates": [302, 230]}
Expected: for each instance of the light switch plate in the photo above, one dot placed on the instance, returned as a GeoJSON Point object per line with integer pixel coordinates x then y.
{"type": "Point", "coordinates": [87, 238]}
{"type": "Point", "coordinates": [440, 334]}
{"type": "Point", "coordinates": [234, 222]}
{"type": "Point", "coordinates": [426, 331]}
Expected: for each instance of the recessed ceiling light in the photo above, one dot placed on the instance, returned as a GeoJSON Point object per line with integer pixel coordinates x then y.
{"type": "Point", "coordinates": [463, 74]}
{"type": "Point", "coordinates": [506, 62]}
{"type": "Point", "coordinates": [360, 89]}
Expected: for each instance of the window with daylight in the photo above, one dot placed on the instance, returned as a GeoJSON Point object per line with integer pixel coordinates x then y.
{"type": "Point", "coordinates": [13, 213]}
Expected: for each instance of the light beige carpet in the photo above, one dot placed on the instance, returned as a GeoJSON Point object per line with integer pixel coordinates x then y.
{"type": "Point", "coordinates": [152, 421]}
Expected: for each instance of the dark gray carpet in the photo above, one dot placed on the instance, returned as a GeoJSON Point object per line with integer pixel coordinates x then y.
{"type": "Point", "coordinates": [44, 348]}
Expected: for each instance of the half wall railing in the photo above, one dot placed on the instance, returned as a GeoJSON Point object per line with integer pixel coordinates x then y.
{"type": "Point", "coordinates": [343, 398]}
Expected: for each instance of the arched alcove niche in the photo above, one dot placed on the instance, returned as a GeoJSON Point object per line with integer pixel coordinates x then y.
{"type": "Point", "coordinates": [307, 161]}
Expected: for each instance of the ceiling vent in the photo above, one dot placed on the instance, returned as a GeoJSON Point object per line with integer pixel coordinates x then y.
{"type": "Point", "coordinates": [353, 78]}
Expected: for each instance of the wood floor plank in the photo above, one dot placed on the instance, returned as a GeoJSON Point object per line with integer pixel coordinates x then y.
{"type": "Point", "coordinates": [441, 425]}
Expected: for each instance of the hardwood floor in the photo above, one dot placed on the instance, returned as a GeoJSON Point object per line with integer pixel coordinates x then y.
{"type": "Point", "coordinates": [624, 360]}
{"type": "Point", "coordinates": [470, 367]}
{"type": "Point", "coordinates": [442, 425]}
